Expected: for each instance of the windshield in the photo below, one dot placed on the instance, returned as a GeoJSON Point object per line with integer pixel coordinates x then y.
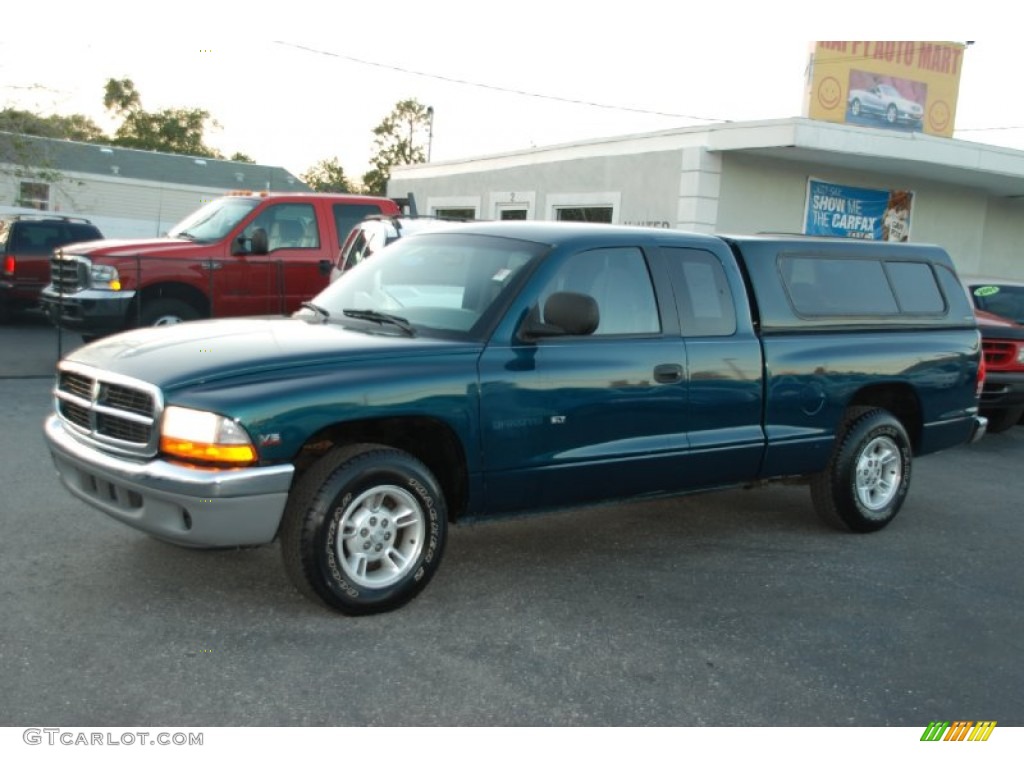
{"type": "Point", "coordinates": [433, 284]}
{"type": "Point", "coordinates": [1003, 300]}
{"type": "Point", "coordinates": [214, 220]}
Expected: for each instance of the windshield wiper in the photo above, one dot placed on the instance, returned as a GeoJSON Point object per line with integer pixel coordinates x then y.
{"type": "Point", "coordinates": [320, 311]}
{"type": "Point", "coordinates": [381, 317]}
{"type": "Point", "coordinates": [186, 234]}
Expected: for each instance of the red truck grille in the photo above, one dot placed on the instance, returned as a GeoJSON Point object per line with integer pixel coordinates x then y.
{"type": "Point", "coordinates": [67, 274]}
{"type": "Point", "coordinates": [999, 354]}
{"type": "Point", "coordinates": [117, 412]}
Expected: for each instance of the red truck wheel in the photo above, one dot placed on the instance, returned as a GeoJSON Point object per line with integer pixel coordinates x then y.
{"type": "Point", "coordinates": [167, 312]}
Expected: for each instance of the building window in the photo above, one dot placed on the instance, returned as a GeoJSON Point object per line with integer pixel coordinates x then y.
{"type": "Point", "coordinates": [455, 213]}
{"type": "Point", "coordinates": [34, 194]}
{"type": "Point", "coordinates": [602, 214]}
{"type": "Point", "coordinates": [513, 214]}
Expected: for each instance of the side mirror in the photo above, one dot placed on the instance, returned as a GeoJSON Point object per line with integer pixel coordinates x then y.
{"type": "Point", "coordinates": [566, 314]}
{"type": "Point", "coordinates": [260, 243]}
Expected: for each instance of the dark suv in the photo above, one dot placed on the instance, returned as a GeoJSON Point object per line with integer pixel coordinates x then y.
{"type": "Point", "coordinates": [26, 244]}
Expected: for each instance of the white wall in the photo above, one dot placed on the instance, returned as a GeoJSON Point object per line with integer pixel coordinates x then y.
{"type": "Point", "coordinates": [121, 208]}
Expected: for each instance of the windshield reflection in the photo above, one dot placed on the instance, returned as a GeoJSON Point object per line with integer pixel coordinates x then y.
{"type": "Point", "coordinates": [441, 284]}
{"type": "Point", "coordinates": [214, 220]}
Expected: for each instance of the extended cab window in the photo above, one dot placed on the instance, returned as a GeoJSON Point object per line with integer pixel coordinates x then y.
{"type": "Point", "coordinates": [347, 215]}
{"type": "Point", "coordinates": [617, 278]}
{"type": "Point", "coordinates": [702, 293]}
{"type": "Point", "coordinates": [915, 287]}
{"type": "Point", "coordinates": [832, 287]}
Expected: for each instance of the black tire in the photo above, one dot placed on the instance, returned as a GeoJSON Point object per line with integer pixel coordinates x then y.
{"type": "Point", "coordinates": [855, 108]}
{"type": "Point", "coordinates": [1003, 419]}
{"type": "Point", "coordinates": [167, 312]}
{"type": "Point", "coordinates": [868, 477]}
{"type": "Point", "coordinates": [364, 529]}
{"type": "Point", "coordinates": [890, 114]}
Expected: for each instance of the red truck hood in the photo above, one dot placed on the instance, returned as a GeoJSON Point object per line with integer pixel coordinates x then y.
{"type": "Point", "coordinates": [148, 246]}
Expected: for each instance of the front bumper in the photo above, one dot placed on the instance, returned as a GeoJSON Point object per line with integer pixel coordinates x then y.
{"type": "Point", "coordinates": [191, 507]}
{"type": "Point", "coordinates": [1002, 390]}
{"type": "Point", "coordinates": [92, 312]}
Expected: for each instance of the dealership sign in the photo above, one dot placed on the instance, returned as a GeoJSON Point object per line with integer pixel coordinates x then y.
{"type": "Point", "coordinates": [837, 210]}
{"type": "Point", "coordinates": [899, 85]}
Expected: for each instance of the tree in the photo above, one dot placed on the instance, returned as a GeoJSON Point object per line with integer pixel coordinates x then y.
{"type": "Point", "coordinates": [75, 127]}
{"type": "Point", "coordinates": [327, 176]}
{"type": "Point", "coordinates": [177, 130]}
{"type": "Point", "coordinates": [241, 157]}
{"type": "Point", "coordinates": [399, 140]}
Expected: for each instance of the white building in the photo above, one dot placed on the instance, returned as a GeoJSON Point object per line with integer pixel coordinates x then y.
{"type": "Point", "coordinates": [125, 192]}
{"type": "Point", "coordinates": [742, 178]}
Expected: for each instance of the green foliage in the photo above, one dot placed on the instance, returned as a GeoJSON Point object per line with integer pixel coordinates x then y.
{"type": "Point", "coordinates": [241, 157]}
{"type": "Point", "coordinates": [399, 140]}
{"type": "Point", "coordinates": [327, 176]}
{"type": "Point", "coordinates": [177, 130]}
{"type": "Point", "coordinates": [74, 127]}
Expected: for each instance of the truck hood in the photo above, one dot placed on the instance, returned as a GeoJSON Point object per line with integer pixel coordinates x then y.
{"type": "Point", "coordinates": [152, 245]}
{"type": "Point", "coordinates": [207, 351]}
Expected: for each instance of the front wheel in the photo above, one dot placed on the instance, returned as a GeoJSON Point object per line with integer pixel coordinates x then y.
{"type": "Point", "coordinates": [890, 114]}
{"type": "Point", "coordinates": [855, 108]}
{"type": "Point", "coordinates": [868, 477]}
{"type": "Point", "coordinates": [364, 529]}
{"type": "Point", "coordinates": [167, 312]}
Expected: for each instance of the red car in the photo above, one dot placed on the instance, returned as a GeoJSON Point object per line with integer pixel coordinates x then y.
{"type": "Point", "coordinates": [241, 254]}
{"type": "Point", "coordinates": [26, 244]}
{"type": "Point", "coordinates": [1002, 398]}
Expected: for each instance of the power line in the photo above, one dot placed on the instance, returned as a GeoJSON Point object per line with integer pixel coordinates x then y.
{"type": "Point", "coordinates": [499, 88]}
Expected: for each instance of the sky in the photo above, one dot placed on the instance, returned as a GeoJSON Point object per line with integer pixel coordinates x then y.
{"type": "Point", "coordinates": [291, 84]}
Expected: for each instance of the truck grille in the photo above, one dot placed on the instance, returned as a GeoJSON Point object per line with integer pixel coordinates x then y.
{"type": "Point", "coordinates": [68, 274]}
{"type": "Point", "coordinates": [113, 411]}
{"type": "Point", "coordinates": [998, 354]}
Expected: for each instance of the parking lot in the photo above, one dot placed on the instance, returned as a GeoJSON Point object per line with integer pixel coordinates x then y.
{"type": "Point", "coordinates": [729, 609]}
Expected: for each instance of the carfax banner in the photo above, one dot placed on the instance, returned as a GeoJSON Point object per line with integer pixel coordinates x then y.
{"type": "Point", "coordinates": [837, 210]}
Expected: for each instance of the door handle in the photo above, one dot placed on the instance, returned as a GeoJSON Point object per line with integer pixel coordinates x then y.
{"type": "Point", "coordinates": [668, 373]}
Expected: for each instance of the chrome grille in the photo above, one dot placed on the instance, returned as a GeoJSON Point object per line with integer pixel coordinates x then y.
{"type": "Point", "coordinates": [68, 274]}
{"type": "Point", "coordinates": [76, 384]}
{"type": "Point", "coordinates": [116, 412]}
{"type": "Point", "coordinates": [126, 398]}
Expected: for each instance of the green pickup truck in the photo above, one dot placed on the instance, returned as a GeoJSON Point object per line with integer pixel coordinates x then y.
{"type": "Point", "coordinates": [507, 367]}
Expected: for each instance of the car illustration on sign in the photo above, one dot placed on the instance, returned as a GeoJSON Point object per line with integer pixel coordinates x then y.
{"type": "Point", "coordinates": [884, 101]}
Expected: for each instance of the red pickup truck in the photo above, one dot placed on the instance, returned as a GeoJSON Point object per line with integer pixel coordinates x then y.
{"type": "Point", "coordinates": [241, 254]}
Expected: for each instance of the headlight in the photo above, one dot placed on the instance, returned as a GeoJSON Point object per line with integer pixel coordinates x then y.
{"type": "Point", "coordinates": [104, 277]}
{"type": "Point", "coordinates": [1020, 354]}
{"type": "Point", "coordinates": [203, 436]}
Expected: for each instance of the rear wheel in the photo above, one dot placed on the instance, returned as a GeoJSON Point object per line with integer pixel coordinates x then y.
{"type": "Point", "coordinates": [364, 529]}
{"type": "Point", "coordinates": [890, 114]}
{"type": "Point", "coordinates": [868, 477]}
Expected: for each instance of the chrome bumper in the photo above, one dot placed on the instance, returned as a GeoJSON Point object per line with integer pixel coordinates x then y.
{"type": "Point", "coordinates": [191, 507]}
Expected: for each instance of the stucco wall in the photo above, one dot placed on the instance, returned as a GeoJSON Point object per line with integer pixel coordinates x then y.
{"type": "Point", "coordinates": [642, 188]}
{"type": "Point", "coordinates": [760, 194]}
